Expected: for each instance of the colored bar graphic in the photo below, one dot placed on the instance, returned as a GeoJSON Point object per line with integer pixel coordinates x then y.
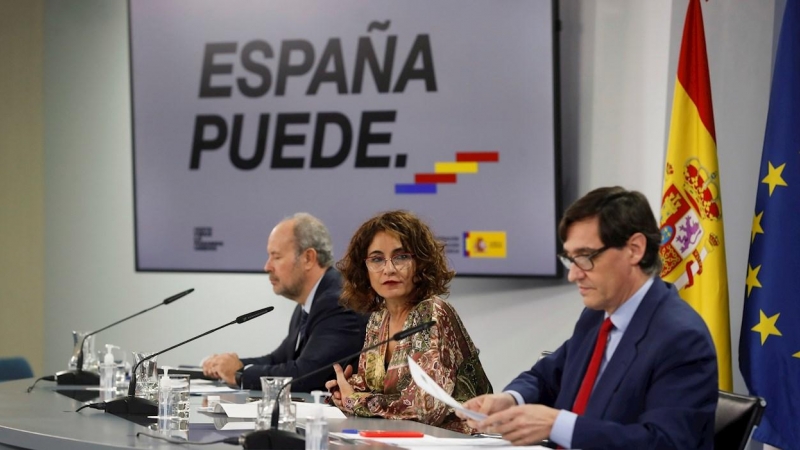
{"type": "Point", "coordinates": [456, 167]}
{"type": "Point", "coordinates": [446, 172]}
{"type": "Point", "coordinates": [478, 156]}
{"type": "Point", "coordinates": [435, 178]}
{"type": "Point", "coordinates": [414, 188]}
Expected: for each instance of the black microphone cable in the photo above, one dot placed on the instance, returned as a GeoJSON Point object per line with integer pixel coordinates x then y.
{"type": "Point", "coordinates": [47, 378]}
{"type": "Point", "coordinates": [230, 440]}
{"type": "Point", "coordinates": [101, 406]}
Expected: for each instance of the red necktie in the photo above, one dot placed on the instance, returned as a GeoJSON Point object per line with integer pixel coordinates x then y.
{"type": "Point", "coordinates": [594, 367]}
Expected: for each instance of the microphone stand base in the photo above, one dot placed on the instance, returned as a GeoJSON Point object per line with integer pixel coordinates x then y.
{"type": "Point", "coordinates": [273, 439]}
{"type": "Point", "coordinates": [77, 378]}
{"type": "Point", "coordinates": [133, 406]}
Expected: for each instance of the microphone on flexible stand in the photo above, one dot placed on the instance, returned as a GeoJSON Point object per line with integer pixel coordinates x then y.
{"type": "Point", "coordinates": [79, 377]}
{"type": "Point", "coordinates": [137, 406]}
{"type": "Point", "coordinates": [287, 440]}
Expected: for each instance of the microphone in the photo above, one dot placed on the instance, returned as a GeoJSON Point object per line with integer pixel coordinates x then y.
{"type": "Point", "coordinates": [80, 378]}
{"type": "Point", "coordinates": [287, 440]}
{"type": "Point", "coordinates": [133, 405]}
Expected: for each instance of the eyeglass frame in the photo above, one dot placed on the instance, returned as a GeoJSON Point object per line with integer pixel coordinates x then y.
{"type": "Point", "coordinates": [385, 259]}
{"type": "Point", "coordinates": [568, 261]}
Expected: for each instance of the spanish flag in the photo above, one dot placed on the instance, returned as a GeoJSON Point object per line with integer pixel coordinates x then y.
{"type": "Point", "coordinates": [485, 244]}
{"type": "Point", "coordinates": [692, 238]}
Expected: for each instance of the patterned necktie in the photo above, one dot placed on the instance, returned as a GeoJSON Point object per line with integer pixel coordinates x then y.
{"type": "Point", "coordinates": [594, 367]}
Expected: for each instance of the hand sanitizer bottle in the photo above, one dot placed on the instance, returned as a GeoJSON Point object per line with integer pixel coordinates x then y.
{"type": "Point", "coordinates": [107, 371]}
{"type": "Point", "coordinates": [317, 425]}
{"type": "Point", "coordinates": [165, 403]}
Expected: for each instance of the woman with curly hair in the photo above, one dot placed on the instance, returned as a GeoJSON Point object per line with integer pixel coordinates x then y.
{"type": "Point", "coordinates": [396, 270]}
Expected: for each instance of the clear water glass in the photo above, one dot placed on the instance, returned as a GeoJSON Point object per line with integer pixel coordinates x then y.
{"type": "Point", "coordinates": [89, 359]}
{"type": "Point", "coordinates": [146, 376]}
{"type": "Point", "coordinates": [287, 420]}
{"type": "Point", "coordinates": [270, 386]}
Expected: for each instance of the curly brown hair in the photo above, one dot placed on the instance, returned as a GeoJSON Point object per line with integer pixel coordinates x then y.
{"type": "Point", "coordinates": [432, 275]}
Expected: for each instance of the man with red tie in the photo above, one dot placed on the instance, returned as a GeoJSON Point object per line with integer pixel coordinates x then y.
{"type": "Point", "coordinates": [640, 370]}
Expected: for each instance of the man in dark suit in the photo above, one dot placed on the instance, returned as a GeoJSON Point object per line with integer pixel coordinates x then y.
{"type": "Point", "coordinates": [640, 370]}
{"type": "Point", "coordinates": [320, 331]}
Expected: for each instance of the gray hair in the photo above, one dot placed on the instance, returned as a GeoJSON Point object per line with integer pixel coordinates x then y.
{"type": "Point", "coordinates": [310, 232]}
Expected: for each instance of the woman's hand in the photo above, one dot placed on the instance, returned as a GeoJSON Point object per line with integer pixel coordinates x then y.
{"type": "Point", "coordinates": [340, 388]}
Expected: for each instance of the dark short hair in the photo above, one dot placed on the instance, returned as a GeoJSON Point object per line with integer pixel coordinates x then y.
{"type": "Point", "coordinates": [621, 214]}
{"type": "Point", "coordinates": [432, 276]}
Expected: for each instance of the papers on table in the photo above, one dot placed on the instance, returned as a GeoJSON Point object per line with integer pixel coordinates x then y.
{"type": "Point", "coordinates": [235, 425]}
{"type": "Point", "coordinates": [207, 388]}
{"type": "Point", "coordinates": [433, 442]}
{"type": "Point", "coordinates": [427, 384]}
{"type": "Point", "coordinates": [308, 409]}
{"type": "Point", "coordinates": [200, 386]}
{"type": "Point", "coordinates": [238, 410]}
{"type": "Point", "coordinates": [250, 410]}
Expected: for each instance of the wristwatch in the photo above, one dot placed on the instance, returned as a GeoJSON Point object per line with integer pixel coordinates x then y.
{"type": "Point", "coordinates": [238, 378]}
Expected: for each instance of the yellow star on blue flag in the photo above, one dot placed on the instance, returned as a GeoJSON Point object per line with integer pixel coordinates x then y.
{"type": "Point", "coordinates": [769, 353]}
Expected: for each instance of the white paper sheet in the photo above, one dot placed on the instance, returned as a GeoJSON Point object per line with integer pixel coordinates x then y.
{"type": "Point", "coordinates": [307, 410]}
{"type": "Point", "coordinates": [429, 441]}
{"type": "Point", "coordinates": [251, 425]}
{"type": "Point", "coordinates": [427, 384]}
{"type": "Point", "coordinates": [250, 410]}
{"type": "Point", "coordinates": [208, 389]}
{"type": "Point", "coordinates": [238, 410]}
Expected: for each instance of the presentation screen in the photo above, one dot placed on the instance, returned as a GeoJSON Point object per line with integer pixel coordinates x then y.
{"type": "Point", "coordinates": [245, 112]}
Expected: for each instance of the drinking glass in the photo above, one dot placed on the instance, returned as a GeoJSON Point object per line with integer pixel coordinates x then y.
{"type": "Point", "coordinates": [146, 376]}
{"type": "Point", "coordinates": [288, 413]}
{"type": "Point", "coordinates": [89, 360]}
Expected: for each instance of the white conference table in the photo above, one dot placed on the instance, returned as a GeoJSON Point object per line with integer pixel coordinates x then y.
{"type": "Point", "coordinates": [45, 419]}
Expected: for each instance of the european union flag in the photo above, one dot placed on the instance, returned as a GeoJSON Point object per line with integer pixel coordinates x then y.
{"type": "Point", "coordinates": [769, 348]}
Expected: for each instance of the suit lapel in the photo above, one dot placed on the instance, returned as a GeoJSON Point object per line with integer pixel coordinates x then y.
{"type": "Point", "coordinates": [613, 374]}
{"type": "Point", "coordinates": [315, 307]}
{"type": "Point", "coordinates": [576, 365]}
{"type": "Point", "coordinates": [626, 352]}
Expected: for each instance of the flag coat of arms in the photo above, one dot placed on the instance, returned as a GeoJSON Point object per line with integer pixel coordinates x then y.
{"type": "Point", "coordinates": [692, 238]}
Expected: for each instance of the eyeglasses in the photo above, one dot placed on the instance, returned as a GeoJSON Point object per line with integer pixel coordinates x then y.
{"type": "Point", "coordinates": [584, 262]}
{"type": "Point", "coordinates": [399, 261]}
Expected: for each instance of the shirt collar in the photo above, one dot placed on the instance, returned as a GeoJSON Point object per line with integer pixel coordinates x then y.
{"type": "Point", "coordinates": [310, 299]}
{"type": "Point", "coordinates": [623, 315]}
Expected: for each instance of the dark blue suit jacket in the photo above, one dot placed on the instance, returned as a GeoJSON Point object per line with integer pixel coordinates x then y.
{"type": "Point", "coordinates": [332, 333]}
{"type": "Point", "coordinates": [658, 391]}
